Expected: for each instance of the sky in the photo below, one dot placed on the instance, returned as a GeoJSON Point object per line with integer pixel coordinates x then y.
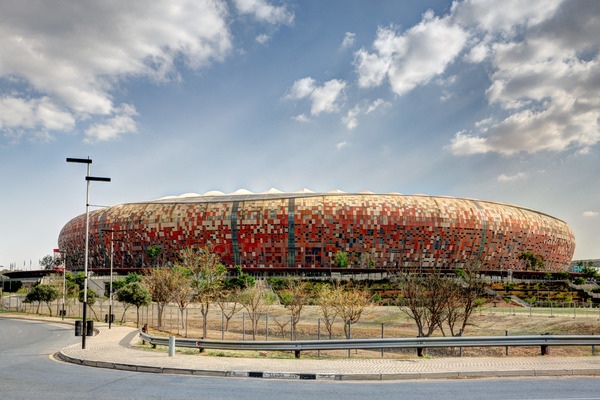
{"type": "Point", "coordinates": [493, 100]}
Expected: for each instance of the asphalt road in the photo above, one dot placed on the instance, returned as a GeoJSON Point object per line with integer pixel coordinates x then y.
{"type": "Point", "coordinates": [28, 372]}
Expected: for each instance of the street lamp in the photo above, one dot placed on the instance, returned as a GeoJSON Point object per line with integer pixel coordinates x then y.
{"type": "Point", "coordinates": [88, 179]}
{"type": "Point", "coordinates": [110, 293]}
{"type": "Point", "coordinates": [62, 312]}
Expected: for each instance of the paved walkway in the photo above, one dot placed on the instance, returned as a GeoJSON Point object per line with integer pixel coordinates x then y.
{"type": "Point", "coordinates": [114, 348]}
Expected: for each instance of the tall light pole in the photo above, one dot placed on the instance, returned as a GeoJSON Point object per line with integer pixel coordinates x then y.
{"type": "Point", "coordinates": [88, 179]}
{"type": "Point", "coordinates": [110, 293]}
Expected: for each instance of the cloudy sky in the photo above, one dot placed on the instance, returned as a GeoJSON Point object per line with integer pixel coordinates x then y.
{"type": "Point", "coordinates": [492, 100]}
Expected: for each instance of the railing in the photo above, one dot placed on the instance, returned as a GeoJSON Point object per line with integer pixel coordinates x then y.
{"type": "Point", "coordinates": [390, 343]}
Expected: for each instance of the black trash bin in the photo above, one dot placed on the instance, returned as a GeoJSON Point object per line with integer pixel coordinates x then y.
{"type": "Point", "coordinates": [90, 328]}
{"type": "Point", "coordinates": [78, 328]}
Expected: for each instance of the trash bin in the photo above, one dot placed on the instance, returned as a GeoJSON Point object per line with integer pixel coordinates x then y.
{"type": "Point", "coordinates": [78, 328]}
{"type": "Point", "coordinates": [112, 318]}
{"type": "Point", "coordinates": [90, 328]}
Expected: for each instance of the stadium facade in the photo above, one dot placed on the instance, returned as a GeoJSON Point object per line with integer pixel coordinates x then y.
{"type": "Point", "coordinates": [275, 230]}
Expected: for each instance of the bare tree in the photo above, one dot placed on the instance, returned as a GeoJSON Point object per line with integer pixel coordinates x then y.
{"type": "Point", "coordinates": [349, 304]}
{"type": "Point", "coordinates": [325, 301]}
{"type": "Point", "coordinates": [467, 294]}
{"type": "Point", "coordinates": [208, 278]}
{"type": "Point", "coordinates": [281, 321]}
{"type": "Point", "coordinates": [185, 291]}
{"type": "Point", "coordinates": [162, 285]}
{"type": "Point", "coordinates": [293, 298]}
{"type": "Point", "coordinates": [256, 304]}
{"type": "Point", "coordinates": [425, 300]}
{"type": "Point", "coordinates": [229, 304]}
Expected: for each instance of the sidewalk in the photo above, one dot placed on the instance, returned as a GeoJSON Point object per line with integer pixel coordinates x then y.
{"type": "Point", "coordinates": [113, 349]}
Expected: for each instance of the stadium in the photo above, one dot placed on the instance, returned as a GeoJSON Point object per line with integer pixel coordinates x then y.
{"type": "Point", "coordinates": [275, 231]}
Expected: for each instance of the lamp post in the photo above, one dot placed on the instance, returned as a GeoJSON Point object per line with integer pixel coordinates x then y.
{"type": "Point", "coordinates": [64, 281]}
{"type": "Point", "coordinates": [88, 179]}
{"type": "Point", "coordinates": [110, 293]}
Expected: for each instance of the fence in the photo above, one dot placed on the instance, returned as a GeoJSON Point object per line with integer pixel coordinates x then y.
{"type": "Point", "coordinates": [277, 323]}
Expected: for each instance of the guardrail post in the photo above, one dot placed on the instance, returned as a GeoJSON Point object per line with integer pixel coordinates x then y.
{"type": "Point", "coordinates": [593, 347]}
{"type": "Point", "coordinates": [545, 349]}
{"type": "Point", "coordinates": [506, 334]}
{"type": "Point", "coordinates": [319, 335]}
{"type": "Point", "coordinates": [382, 338]}
{"type": "Point", "coordinates": [171, 346]}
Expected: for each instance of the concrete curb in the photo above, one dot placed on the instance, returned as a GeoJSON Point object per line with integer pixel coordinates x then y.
{"type": "Point", "coordinates": [329, 377]}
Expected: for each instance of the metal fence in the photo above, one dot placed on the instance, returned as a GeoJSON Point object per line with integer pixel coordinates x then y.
{"type": "Point", "coordinates": [275, 324]}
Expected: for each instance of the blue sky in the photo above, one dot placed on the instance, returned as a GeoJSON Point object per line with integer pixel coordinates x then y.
{"type": "Point", "coordinates": [492, 100]}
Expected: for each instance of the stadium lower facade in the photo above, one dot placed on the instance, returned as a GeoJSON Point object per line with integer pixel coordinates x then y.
{"type": "Point", "coordinates": [305, 230]}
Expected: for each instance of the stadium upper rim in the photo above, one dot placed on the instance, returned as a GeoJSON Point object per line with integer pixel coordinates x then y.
{"type": "Point", "coordinates": [274, 194]}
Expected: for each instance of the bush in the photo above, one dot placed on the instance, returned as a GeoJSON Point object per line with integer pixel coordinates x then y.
{"type": "Point", "coordinates": [579, 281]}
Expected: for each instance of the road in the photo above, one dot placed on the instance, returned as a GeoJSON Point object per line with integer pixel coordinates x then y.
{"type": "Point", "coordinates": [28, 372]}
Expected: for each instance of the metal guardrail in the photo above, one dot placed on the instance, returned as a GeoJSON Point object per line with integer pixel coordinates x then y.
{"type": "Point", "coordinates": [389, 343]}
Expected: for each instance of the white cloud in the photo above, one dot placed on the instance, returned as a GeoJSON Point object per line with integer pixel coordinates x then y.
{"type": "Point", "coordinates": [464, 144]}
{"type": "Point", "coordinates": [350, 120]}
{"type": "Point", "coordinates": [265, 12]}
{"type": "Point", "coordinates": [301, 118]}
{"type": "Point", "coordinates": [351, 117]}
{"type": "Point", "coordinates": [263, 38]}
{"type": "Point", "coordinates": [341, 145]}
{"type": "Point", "coordinates": [543, 62]}
{"type": "Point", "coordinates": [349, 39]}
{"type": "Point", "coordinates": [411, 58]}
{"type": "Point", "coordinates": [323, 98]}
{"type": "Point", "coordinates": [70, 61]}
{"type": "Point", "coordinates": [115, 126]}
{"type": "Point", "coordinates": [590, 214]}
{"type": "Point", "coordinates": [539, 78]}
{"type": "Point", "coordinates": [511, 178]}
{"type": "Point", "coordinates": [301, 88]}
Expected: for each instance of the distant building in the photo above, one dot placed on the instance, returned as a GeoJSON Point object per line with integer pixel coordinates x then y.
{"type": "Point", "coordinates": [275, 230]}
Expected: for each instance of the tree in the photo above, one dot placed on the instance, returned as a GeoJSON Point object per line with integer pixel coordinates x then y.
{"type": "Point", "coordinates": [185, 292]}
{"type": "Point", "coordinates": [535, 262]}
{"type": "Point", "coordinates": [326, 302]}
{"type": "Point", "coordinates": [48, 262]}
{"type": "Point", "coordinates": [425, 300]}
{"type": "Point", "coordinates": [43, 293]}
{"type": "Point", "coordinates": [228, 302]}
{"type": "Point", "coordinates": [152, 253]}
{"type": "Point", "coordinates": [135, 294]}
{"type": "Point", "coordinates": [208, 275]}
{"type": "Point", "coordinates": [465, 295]}
{"type": "Point", "coordinates": [92, 296]}
{"type": "Point", "coordinates": [162, 287]}
{"type": "Point", "coordinates": [256, 304]}
{"type": "Point", "coordinates": [341, 259]}
{"type": "Point", "coordinates": [293, 298]}
{"type": "Point", "coordinates": [349, 304]}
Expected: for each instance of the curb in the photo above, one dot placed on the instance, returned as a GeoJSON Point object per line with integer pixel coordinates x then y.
{"type": "Point", "coordinates": [328, 377]}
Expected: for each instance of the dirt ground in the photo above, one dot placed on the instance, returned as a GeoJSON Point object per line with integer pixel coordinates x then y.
{"type": "Point", "coordinates": [395, 324]}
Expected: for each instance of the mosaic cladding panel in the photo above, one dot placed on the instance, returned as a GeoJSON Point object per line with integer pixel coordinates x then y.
{"type": "Point", "coordinates": [381, 231]}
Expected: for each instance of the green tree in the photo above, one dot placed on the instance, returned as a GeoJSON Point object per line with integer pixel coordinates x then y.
{"type": "Point", "coordinates": [43, 293]}
{"type": "Point", "coordinates": [152, 253]}
{"type": "Point", "coordinates": [48, 262]}
{"type": "Point", "coordinates": [136, 294]}
{"type": "Point", "coordinates": [341, 259]}
{"type": "Point", "coordinates": [534, 262]}
{"type": "Point", "coordinates": [92, 296]}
